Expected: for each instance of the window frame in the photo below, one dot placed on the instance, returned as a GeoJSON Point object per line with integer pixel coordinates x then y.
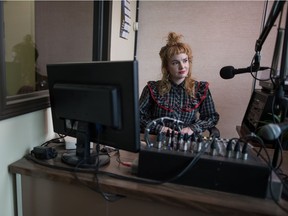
{"type": "Point", "coordinates": [21, 104]}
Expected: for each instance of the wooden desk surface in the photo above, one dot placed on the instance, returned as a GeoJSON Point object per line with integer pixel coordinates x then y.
{"type": "Point", "coordinates": [203, 200]}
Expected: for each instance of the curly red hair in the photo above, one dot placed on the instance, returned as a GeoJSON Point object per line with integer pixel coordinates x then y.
{"type": "Point", "coordinates": [173, 47]}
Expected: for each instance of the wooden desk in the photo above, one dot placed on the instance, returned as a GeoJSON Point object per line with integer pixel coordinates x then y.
{"type": "Point", "coordinates": [47, 191]}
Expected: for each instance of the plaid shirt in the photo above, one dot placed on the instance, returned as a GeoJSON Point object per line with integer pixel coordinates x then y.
{"type": "Point", "coordinates": [197, 112]}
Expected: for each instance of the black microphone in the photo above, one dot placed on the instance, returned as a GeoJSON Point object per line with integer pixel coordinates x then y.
{"type": "Point", "coordinates": [229, 72]}
{"type": "Point", "coordinates": [273, 131]}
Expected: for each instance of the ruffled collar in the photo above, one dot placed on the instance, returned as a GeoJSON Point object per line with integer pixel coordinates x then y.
{"type": "Point", "coordinates": [188, 105]}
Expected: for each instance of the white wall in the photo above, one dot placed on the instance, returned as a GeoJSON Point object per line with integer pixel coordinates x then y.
{"type": "Point", "coordinates": [220, 33]}
{"type": "Point", "coordinates": [18, 136]}
{"type": "Point", "coordinates": [64, 32]}
{"type": "Point", "coordinates": [57, 29]}
{"type": "Point", "coordinates": [122, 49]}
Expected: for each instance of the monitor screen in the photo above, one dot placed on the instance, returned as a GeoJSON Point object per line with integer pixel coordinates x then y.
{"type": "Point", "coordinates": [95, 102]}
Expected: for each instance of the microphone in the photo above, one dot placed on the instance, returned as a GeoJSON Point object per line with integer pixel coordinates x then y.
{"type": "Point", "coordinates": [273, 131]}
{"type": "Point", "coordinates": [229, 72]}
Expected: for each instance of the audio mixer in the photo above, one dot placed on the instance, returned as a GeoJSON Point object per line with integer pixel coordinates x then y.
{"type": "Point", "coordinates": [228, 165]}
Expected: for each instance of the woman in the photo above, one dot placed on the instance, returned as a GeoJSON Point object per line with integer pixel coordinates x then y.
{"type": "Point", "coordinates": [177, 95]}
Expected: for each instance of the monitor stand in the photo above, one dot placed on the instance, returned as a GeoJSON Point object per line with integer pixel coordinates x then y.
{"type": "Point", "coordinates": [95, 160]}
{"type": "Point", "coordinates": [84, 157]}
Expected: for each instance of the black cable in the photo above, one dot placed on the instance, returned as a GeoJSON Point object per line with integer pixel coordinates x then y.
{"type": "Point", "coordinates": [284, 179]}
{"type": "Point", "coordinates": [189, 166]}
{"type": "Point", "coordinates": [114, 197]}
{"type": "Point", "coordinates": [61, 138]}
{"type": "Point", "coordinates": [57, 140]}
{"type": "Point", "coordinates": [89, 170]}
{"type": "Point", "coordinates": [97, 171]}
{"type": "Point", "coordinates": [107, 196]}
{"type": "Point", "coordinates": [281, 154]}
{"type": "Point", "coordinates": [256, 138]}
{"type": "Point", "coordinates": [275, 121]}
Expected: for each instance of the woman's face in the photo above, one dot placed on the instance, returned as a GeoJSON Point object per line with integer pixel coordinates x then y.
{"type": "Point", "coordinates": [178, 67]}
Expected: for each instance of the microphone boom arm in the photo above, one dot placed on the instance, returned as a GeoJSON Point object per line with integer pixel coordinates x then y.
{"type": "Point", "coordinates": [275, 11]}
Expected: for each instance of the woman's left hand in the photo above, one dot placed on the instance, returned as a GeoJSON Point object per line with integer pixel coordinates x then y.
{"type": "Point", "coordinates": [187, 130]}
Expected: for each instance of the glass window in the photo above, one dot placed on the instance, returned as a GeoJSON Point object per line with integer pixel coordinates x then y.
{"type": "Point", "coordinates": [32, 35]}
{"type": "Point", "coordinates": [21, 53]}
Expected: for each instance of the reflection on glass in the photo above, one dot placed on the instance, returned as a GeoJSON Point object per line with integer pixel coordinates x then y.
{"type": "Point", "coordinates": [21, 53]}
{"type": "Point", "coordinates": [24, 61]}
{"type": "Point", "coordinates": [38, 33]}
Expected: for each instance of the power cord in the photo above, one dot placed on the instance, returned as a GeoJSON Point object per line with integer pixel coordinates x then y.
{"type": "Point", "coordinates": [267, 160]}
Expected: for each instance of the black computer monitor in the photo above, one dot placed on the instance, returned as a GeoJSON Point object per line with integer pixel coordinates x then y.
{"type": "Point", "coordinates": [95, 102]}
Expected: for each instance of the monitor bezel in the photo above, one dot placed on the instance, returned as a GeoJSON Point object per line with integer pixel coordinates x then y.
{"type": "Point", "coordinates": [121, 74]}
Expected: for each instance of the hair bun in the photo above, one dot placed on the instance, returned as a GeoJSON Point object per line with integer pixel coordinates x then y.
{"type": "Point", "coordinates": [173, 39]}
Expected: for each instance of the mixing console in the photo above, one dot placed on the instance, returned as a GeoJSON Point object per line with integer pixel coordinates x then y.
{"type": "Point", "coordinates": [231, 148]}
{"type": "Point", "coordinates": [228, 165]}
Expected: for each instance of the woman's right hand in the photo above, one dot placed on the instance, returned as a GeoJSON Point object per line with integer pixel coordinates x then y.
{"type": "Point", "coordinates": [165, 129]}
